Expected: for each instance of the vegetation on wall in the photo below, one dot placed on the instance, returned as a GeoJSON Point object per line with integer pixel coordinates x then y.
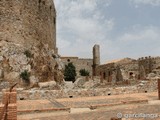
{"type": "Point", "coordinates": [70, 72]}
{"type": "Point", "coordinates": [25, 75]}
{"type": "Point", "coordinates": [84, 72]}
{"type": "Point", "coordinates": [28, 53]}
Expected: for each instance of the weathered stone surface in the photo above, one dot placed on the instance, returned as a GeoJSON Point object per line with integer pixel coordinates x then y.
{"type": "Point", "coordinates": [33, 81]}
{"type": "Point", "coordinates": [1, 73]}
{"type": "Point", "coordinates": [28, 41]}
{"type": "Point", "coordinates": [1, 58]}
{"type": "Point", "coordinates": [4, 85]}
{"type": "Point", "coordinates": [50, 84]}
{"type": "Point", "coordinates": [79, 82]}
{"type": "Point", "coordinates": [40, 64]}
{"type": "Point", "coordinates": [28, 22]}
{"type": "Point", "coordinates": [148, 86]}
{"type": "Point", "coordinates": [12, 77]}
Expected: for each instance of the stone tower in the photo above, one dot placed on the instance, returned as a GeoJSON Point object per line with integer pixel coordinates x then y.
{"type": "Point", "coordinates": [28, 22]}
{"type": "Point", "coordinates": [96, 58]}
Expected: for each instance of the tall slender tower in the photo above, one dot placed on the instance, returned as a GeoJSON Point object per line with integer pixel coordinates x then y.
{"type": "Point", "coordinates": [96, 58]}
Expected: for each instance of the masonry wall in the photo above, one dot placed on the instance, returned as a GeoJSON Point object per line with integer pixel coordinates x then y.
{"type": "Point", "coordinates": [109, 72]}
{"type": "Point", "coordinates": [118, 71]}
{"type": "Point", "coordinates": [149, 86]}
{"type": "Point", "coordinates": [135, 69]}
{"type": "Point", "coordinates": [130, 70]}
{"type": "Point", "coordinates": [28, 22]}
{"type": "Point", "coordinates": [145, 66]}
{"type": "Point", "coordinates": [148, 65]}
{"type": "Point", "coordinates": [11, 97]}
{"type": "Point", "coordinates": [96, 58]}
{"type": "Point", "coordinates": [156, 63]}
{"type": "Point", "coordinates": [79, 63]}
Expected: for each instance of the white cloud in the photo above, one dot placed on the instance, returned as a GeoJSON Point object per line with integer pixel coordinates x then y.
{"type": "Point", "coordinates": [150, 34]}
{"type": "Point", "coordinates": [151, 2]}
{"type": "Point", "coordinates": [138, 43]}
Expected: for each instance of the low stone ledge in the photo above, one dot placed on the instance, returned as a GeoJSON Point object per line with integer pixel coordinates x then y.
{"type": "Point", "coordinates": [42, 110]}
{"type": "Point", "coordinates": [118, 103]}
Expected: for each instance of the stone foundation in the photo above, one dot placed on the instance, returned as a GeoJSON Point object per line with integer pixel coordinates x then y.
{"type": "Point", "coordinates": [44, 94]}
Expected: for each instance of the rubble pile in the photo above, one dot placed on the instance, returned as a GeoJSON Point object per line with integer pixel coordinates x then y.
{"type": "Point", "coordinates": [37, 93]}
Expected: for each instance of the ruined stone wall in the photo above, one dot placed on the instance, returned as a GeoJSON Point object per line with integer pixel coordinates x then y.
{"type": "Point", "coordinates": [146, 64]}
{"type": "Point", "coordinates": [154, 65]}
{"type": "Point", "coordinates": [141, 87]}
{"type": "Point", "coordinates": [132, 66]}
{"type": "Point", "coordinates": [85, 64]}
{"type": "Point", "coordinates": [110, 72]}
{"type": "Point", "coordinates": [118, 71]}
{"type": "Point", "coordinates": [80, 63]}
{"type": "Point", "coordinates": [28, 22]}
{"type": "Point", "coordinates": [130, 70]}
{"type": "Point", "coordinates": [156, 62]}
{"type": "Point", "coordinates": [141, 68]}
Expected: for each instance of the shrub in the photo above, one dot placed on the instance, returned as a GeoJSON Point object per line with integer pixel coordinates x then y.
{"type": "Point", "coordinates": [25, 75]}
{"type": "Point", "coordinates": [28, 53]}
{"type": "Point", "coordinates": [84, 72]}
{"type": "Point", "coordinates": [70, 72]}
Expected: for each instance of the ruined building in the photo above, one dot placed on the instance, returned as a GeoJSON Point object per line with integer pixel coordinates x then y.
{"type": "Point", "coordinates": [28, 40]}
{"type": "Point", "coordinates": [124, 69]}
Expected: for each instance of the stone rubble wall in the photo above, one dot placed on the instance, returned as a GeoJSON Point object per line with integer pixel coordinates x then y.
{"type": "Point", "coordinates": [142, 87]}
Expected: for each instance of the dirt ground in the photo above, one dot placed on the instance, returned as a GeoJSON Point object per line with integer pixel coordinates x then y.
{"type": "Point", "coordinates": [140, 106]}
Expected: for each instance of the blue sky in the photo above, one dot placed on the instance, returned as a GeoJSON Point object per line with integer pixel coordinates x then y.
{"type": "Point", "coordinates": [122, 28]}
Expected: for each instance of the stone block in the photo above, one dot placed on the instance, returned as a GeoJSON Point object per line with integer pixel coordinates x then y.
{"type": "Point", "coordinates": [1, 73]}
{"type": "Point", "coordinates": [12, 76]}
{"type": "Point", "coordinates": [12, 112]}
{"type": "Point", "coordinates": [12, 98]}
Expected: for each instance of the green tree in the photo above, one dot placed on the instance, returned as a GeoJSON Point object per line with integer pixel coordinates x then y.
{"type": "Point", "coordinates": [28, 53]}
{"type": "Point", "coordinates": [84, 72]}
{"type": "Point", "coordinates": [25, 75]}
{"type": "Point", "coordinates": [70, 72]}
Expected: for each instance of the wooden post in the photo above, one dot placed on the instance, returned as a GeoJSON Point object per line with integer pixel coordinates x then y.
{"type": "Point", "coordinates": [159, 89]}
